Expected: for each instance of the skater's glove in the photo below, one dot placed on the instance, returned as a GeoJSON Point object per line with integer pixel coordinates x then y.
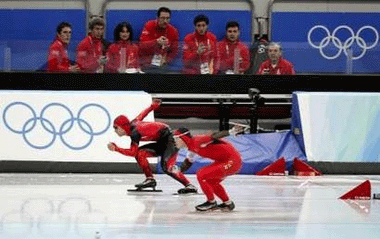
{"type": "Point", "coordinates": [112, 147]}
{"type": "Point", "coordinates": [156, 104]}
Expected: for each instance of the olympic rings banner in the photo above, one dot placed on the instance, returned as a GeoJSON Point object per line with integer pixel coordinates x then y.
{"type": "Point", "coordinates": [329, 42]}
{"type": "Point", "coordinates": [65, 126]}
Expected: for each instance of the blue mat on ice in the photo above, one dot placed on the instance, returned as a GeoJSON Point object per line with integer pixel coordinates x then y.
{"type": "Point", "coordinates": [257, 150]}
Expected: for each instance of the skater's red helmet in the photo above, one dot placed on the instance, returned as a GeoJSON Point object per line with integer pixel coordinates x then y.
{"type": "Point", "coordinates": [123, 122]}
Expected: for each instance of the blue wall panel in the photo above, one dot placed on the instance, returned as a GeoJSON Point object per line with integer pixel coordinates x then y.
{"type": "Point", "coordinates": [29, 32]}
{"type": "Point", "coordinates": [356, 31]}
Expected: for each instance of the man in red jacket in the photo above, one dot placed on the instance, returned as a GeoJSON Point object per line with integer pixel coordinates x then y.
{"type": "Point", "coordinates": [164, 146]}
{"type": "Point", "coordinates": [276, 64]}
{"type": "Point", "coordinates": [199, 51]}
{"type": "Point", "coordinates": [58, 59]}
{"type": "Point", "coordinates": [158, 41]}
{"type": "Point", "coordinates": [233, 55]}
{"type": "Point", "coordinates": [90, 51]}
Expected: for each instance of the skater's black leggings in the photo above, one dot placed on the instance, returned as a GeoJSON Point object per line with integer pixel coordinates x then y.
{"type": "Point", "coordinates": [165, 148]}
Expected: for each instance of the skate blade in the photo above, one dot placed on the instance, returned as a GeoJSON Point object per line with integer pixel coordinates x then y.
{"type": "Point", "coordinates": [214, 211]}
{"type": "Point", "coordinates": [145, 190]}
{"type": "Point", "coordinates": [187, 194]}
{"type": "Point", "coordinates": [226, 210]}
{"type": "Point", "coordinates": [208, 210]}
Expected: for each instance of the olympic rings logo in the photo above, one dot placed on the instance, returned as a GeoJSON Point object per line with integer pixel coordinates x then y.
{"type": "Point", "coordinates": [49, 127]}
{"type": "Point", "coordinates": [343, 46]}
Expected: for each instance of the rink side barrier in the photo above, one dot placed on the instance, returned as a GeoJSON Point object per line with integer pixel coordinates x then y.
{"type": "Point", "coordinates": [93, 83]}
{"type": "Point", "coordinates": [187, 84]}
{"type": "Point", "coordinates": [338, 131]}
{"type": "Point", "coordinates": [66, 126]}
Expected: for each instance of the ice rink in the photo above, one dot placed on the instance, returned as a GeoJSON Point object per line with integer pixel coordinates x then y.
{"type": "Point", "coordinates": [99, 206]}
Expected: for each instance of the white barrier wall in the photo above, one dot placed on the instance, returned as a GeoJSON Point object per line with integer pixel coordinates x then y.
{"type": "Point", "coordinates": [66, 126]}
{"type": "Point", "coordinates": [339, 127]}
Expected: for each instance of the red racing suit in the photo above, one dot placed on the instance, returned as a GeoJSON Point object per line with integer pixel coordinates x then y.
{"type": "Point", "coordinates": [148, 42]}
{"type": "Point", "coordinates": [227, 162]}
{"type": "Point", "coordinates": [226, 56]}
{"type": "Point", "coordinates": [114, 53]}
{"type": "Point", "coordinates": [58, 59]}
{"type": "Point", "coordinates": [283, 67]}
{"type": "Point", "coordinates": [192, 61]}
{"type": "Point", "coordinates": [164, 146]}
{"type": "Point", "coordinates": [89, 50]}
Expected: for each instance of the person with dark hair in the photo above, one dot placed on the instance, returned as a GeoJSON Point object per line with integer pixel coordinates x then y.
{"type": "Point", "coordinates": [122, 55]}
{"type": "Point", "coordinates": [91, 51]}
{"type": "Point", "coordinates": [58, 59]}
{"type": "Point", "coordinates": [276, 64]}
{"type": "Point", "coordinates": [158, 41]}
{"type": "Point", "coordinates": [227, 161]}
{"type": "Point", "coordinates": [164, 146]}
{"type": "Point", "coordinates": [233, 55]}
{"type": "Point", "coordinates": [199, 51]}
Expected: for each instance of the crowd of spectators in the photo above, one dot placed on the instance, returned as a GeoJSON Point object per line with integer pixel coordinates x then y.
{"type": "Point", "coordinates": [158, 47]}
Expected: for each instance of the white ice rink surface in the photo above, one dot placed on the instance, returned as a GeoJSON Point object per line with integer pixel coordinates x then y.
{"type": "Point", "coordinates": [71, 206]}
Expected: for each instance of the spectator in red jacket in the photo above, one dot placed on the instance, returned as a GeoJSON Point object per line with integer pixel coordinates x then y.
{"type": "Point", "coordinates": [58, 59]}
{"type": "Point", "coordinates": [233, 55]}
{"type": "Point", "coordinates": [276, 64]}
{"type": "Point", "coordinates": [158, 41]}
{"type": "Point", "coordinates": [199, 51]}
{"type": "Point", "coordinates": [90, 52]}
{"type": "Point", "coordinates": [122, 55]}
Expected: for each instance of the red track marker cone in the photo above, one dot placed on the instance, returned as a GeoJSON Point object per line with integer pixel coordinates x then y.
{"type": "Point", "coordinates": [301, 168]}
{"type": "Point", "coordinates": [360, 192]}
{"type": "Point", "coordinates": [277, 168]}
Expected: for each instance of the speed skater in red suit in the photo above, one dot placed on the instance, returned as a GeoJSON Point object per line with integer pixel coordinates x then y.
{"type": "Point", "coordinates": [164, 146]}
{"type": "Point", "coordinates": [227, 161]}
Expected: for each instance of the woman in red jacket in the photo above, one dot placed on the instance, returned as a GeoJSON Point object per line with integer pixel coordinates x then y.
{"type": "Point", "coordinates": [199, 51]}
{"type": "Point", "coordinates": [58, 59]}
{"type": "Point", "coordinates": [123, 54]}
